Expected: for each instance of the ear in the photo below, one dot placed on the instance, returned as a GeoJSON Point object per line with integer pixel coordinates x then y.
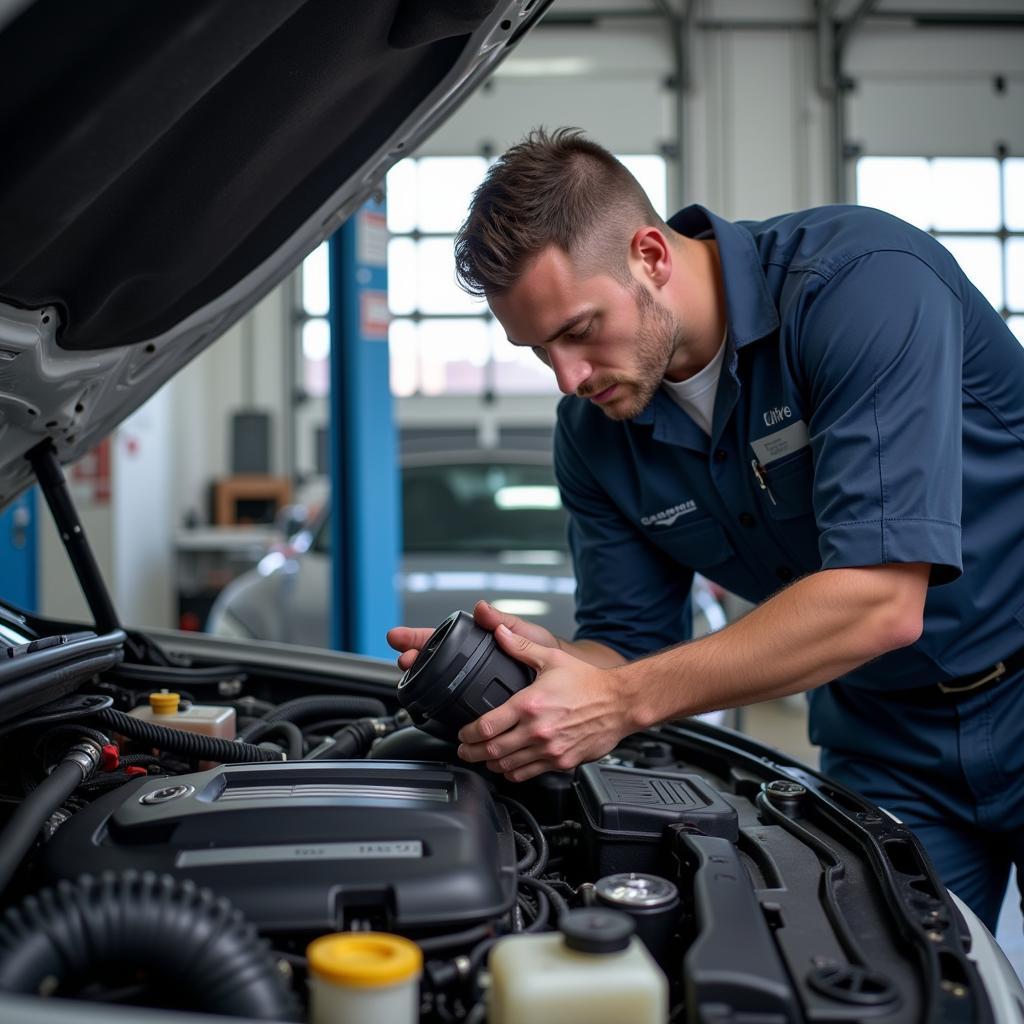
{"type": "Point", "coordinates": [651, 255]}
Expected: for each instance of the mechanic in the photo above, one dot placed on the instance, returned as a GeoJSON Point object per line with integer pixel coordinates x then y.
{"type": "Point", "coordinates": [818, 412]}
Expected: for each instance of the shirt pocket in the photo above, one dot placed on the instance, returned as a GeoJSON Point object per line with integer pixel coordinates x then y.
{"type": "Point", "coordinates": [697, 543]}
{"type": "Point", "coordinates": [791, 482]}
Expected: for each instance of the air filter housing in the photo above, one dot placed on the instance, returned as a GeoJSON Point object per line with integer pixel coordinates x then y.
{"type": "Point", "coordinates": [628, 809]}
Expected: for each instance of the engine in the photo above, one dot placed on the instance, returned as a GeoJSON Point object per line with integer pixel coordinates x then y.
{"type": "Point", "coordinates": [303, 848]}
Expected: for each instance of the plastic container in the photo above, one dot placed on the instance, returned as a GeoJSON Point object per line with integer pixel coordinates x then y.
{"type": "Point", "coordinates": [364, 978]}
{"type": "Point", "coordinates": [595, 971]}
{"type": "Point", "coordinates": [209, 719]}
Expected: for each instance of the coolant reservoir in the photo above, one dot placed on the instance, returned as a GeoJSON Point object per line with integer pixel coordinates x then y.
{"type": "Point", "coordinates": [209, 719]}
{"type": "Point", "coordinates": [364, 978]}
{"type": "Point", "coordinates": [596, 971]}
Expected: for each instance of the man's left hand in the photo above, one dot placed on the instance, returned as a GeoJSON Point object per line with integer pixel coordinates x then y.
{"type": "Point", "coordinates": [572, 712]}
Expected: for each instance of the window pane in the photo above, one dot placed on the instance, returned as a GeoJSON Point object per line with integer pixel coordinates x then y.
{"type": "Point", "coordinates": [452, 355]}
{"type": "Point", "coordinates": [402, 276]}
{"type": "Point", "coordinates": [1015, 274]}
{"type": "Point", "coordinates": [444, 188]}
{"type": "Point", "coordinates": [517, 371]}
{"type": "Point", "coordinates": [436, 288]}
{"type": "Point", "coordinates": [403, 357]}
{"type": "Point", "coordinates": [1013, 183]}
{"type": "Point", "coordinates": [316, 349]}
{"type": "Point", "coordinates": [649, 170]}
{"type": "Point", "coordinates": [965, 194]}
{"type": "Point", "coordinates": [400, 188]}
{"type": "Point", "coordinates": [899, 185]}
{"type": "Point", "coordinates": [1016, 324]}
{"type": "Point", "coordinates": [316, 295]}
{"type": "Point", "coordinates": [981, 260]}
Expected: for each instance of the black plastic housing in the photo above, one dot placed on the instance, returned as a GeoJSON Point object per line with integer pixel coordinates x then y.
{"type": "Point", "coordinates": [460, 674]}
{"type": "Point", "coordinates": [628, 809]}
{"type": "Point", "coordinates": [310, 847]}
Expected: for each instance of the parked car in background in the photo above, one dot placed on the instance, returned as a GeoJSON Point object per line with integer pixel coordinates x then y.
{"type": "Point", "coordinates": [476, 523]}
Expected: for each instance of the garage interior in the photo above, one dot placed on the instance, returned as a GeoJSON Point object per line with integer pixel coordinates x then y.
{"type": "Point", "coordinates": [368, 356]}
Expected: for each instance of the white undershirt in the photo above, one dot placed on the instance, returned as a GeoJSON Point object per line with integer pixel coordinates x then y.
{"type": "Point", "coordinates": [696, 395]}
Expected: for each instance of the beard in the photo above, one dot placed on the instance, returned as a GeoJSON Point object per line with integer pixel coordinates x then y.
{"type": "Point", "coordinates": [657, 337]}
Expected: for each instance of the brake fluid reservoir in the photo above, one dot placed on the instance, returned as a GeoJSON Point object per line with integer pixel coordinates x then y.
{"type": "Point", "coordinates": [595, 970]}
{"type": "Point", "coordinates": [364, 978]}
{"type": "Point", "coordinates": [209, 719]}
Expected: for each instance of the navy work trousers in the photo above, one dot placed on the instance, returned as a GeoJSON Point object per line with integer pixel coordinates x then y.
{"type": "Point", "coordinates": [951, 770]}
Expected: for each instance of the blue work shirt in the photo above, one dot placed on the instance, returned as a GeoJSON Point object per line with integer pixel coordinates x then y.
{"type": "Point", "coordinates": [870, 410]}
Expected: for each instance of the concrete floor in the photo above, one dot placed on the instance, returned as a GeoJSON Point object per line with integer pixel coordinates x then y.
{"type": "Point", "coordinates": [783, 724]}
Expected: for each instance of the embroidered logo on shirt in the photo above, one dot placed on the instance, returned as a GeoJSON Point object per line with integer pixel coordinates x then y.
{"type": "Point", "coordinates": [667, 516]}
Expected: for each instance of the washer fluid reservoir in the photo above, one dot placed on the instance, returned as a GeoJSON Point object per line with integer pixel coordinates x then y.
{"type": "Point", "coordinates": [596, 971]}
{"type": "Point", "coordinates": [209, 719]}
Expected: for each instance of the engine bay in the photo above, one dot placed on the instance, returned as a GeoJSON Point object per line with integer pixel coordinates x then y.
{"type": "Point", "coordinates": [761, 891]}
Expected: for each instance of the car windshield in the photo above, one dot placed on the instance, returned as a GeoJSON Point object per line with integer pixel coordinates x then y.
{"type": "Point", "coordinates": [480, 506]}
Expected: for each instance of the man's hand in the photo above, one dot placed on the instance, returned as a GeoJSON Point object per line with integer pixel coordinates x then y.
{"type": "Point", "coordinates": [409, 641]}
{"type": "Point", "coordinates": [572, 712]}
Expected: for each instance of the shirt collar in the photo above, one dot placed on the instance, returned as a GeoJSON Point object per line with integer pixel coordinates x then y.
{"type": "Point", "coordinates": [750, 310]}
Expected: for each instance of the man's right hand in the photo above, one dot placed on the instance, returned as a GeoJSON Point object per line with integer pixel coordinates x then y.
{"type": "Point", "coordinates": [408, 640]}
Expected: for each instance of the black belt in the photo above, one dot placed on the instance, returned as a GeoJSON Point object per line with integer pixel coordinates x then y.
{"type": "Point", "coordinates": [963, 687]}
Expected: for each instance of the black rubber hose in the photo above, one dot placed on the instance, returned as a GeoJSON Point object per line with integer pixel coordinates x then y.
{"type": "Point", "coordinates": [555, 898]}
{"type": "Point", "coordinates": [191, 744]}
{"type": "Point", "coordinates": [66, 732]}
{"type": "Point", "coordinates": [539, 840]}
{"type": "Point", "coordinates": [197, 944]}
{"type": "Point", "coordinates": [303, 709]}
{"type": "Point", "coordinates": [527, 852]}
{"type": "Point", "coordinates": [21, 830]}
{"type": "Point", "coordinates": [291, 732]}
{"type": "Point", "coordinates": [353, 740]}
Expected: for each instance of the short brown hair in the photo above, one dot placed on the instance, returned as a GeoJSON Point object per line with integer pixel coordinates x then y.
{"type": "Point", "coordinates": [555, 188]}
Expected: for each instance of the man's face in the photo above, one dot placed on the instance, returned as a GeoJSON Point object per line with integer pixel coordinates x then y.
{"type": "Point", "coordinates": [606, 341]}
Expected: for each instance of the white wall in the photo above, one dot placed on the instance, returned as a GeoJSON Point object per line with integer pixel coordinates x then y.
{"type": "Point", "coordinates": [248, 368]}
{"type": "Point", "coordinates": [130, 532]}
{"type": "Point", "coordinates": [931, 92]}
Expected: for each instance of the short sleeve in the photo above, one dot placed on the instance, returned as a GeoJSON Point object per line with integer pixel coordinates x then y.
{"type": "Point", "coordinates": [881, 344]}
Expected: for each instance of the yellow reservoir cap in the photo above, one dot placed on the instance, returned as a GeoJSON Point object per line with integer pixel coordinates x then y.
{"type": "Point", "coordinates": [164, 703]}
{"type": "Point", "coordinates": [364, 959]}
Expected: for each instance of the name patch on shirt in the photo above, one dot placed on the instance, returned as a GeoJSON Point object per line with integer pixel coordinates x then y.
{"type": "Point", "coordinates": [782, 442]}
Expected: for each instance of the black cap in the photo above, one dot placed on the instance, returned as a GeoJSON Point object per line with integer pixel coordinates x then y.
{"type": "Point", "coordinates": [595, 930]}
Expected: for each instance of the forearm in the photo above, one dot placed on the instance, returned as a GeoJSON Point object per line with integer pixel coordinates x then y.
{"type": "Point", "coordinates": [816, 630]}
{"type": "Point", "coordinates": [592, 652]}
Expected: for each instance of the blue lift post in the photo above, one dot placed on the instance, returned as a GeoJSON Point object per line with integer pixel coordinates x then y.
{"type": "Point", "coordinates": [365, 482]}
{"type": "Point", "coordinates": [18, 571]}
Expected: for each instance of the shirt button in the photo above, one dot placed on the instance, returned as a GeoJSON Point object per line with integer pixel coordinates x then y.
{"type": "Point", "coordinates": [784, 573]}
{"type": "Point", "coordinates": [720, 455]}
{"type": "Point", "coordinates": [746, 519]}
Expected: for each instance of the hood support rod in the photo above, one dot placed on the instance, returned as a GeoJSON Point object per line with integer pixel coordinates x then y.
{"type": "Point", "coordinates": [55, 489]}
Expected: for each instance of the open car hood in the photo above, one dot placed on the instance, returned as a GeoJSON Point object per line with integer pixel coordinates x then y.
{"type": "Point", "coordinates": [167, 164]}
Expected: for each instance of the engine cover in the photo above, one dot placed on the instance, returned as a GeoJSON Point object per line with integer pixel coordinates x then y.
{"type": "Point", "coordinates": [311, 846]}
